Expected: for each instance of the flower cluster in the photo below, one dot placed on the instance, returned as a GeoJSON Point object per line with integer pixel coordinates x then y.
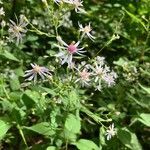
{"type": "Point", "coordinates": [77, 4]}
{"type": "Point", "coordinates": [96, 74]}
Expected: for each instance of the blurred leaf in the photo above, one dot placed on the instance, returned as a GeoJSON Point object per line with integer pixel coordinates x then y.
{"type": "Point", "coordinates": [14, 83]}
{"type": "Point", "coordinates": [30, 98]}
{"type": "Point", "coordinates": [51, 148]}
{"type": "Point", "coordinates": [136, 19]}
{"type": "Point", "coordinates": [4, 127]}
{"type": "Point", "coordinates": [84, 144]}
{"type": "Point", "coordinates": [43, 128]}
{"type": "Point", "coordinates": [145, 119]}
{"type": "Point", "coordinates": [69, 136]}
{"type": "Point", "coordinates": [10, 56]}
{"type": "Point", "coordinates": [146, 89]}
{"type": "Point", "coordinates": [129, 139]}
{"type": "Point", "coordinates": [102, 136]}
{"type": "Point", "coordinates": [73, 124]}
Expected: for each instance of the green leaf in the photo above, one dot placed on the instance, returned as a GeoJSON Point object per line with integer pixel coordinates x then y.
{"type": "Point", "coordinates": [69, 136]}
{"type": "Point", "coordinates": [30, 98]}
{"type": "Point", "coordinates": [73, 124]}
{"type": "Point", "coordinates": [51, 148]}
{"type": "Point", "coordinates": [145, 119]}
{"type": "Point", "coordinates": [102, 136]}
{"type": "Point", "coordinates": [4, 127]}
{"type": "Point", "coordinates": [14, 83]}
{"type": "Point", "coordinates": [146, 89]}
{"type": "Point", "coordinates": [43, 128]}
{"type": "Point", "coordinates": [10, 56]}
{"type": "Point", "coordinates": [84, 144]}
{"type": "Point", "coordinates": [129, 139]}
{"type": "Point", "coordinates": [136, 19]}
{"type": "Point", "coordinates": [49, 91]}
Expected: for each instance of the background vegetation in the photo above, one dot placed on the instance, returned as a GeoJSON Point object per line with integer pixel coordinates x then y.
{"type": "Point", "coordinates": [58, 114]}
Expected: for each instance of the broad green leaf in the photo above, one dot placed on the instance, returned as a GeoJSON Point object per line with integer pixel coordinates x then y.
{"type": "Point", "coordinates": [73, 124]}
{"type": "Point", "coordinates": [68, 135]}
{"type": "Point", "coordinates": [43, 128]}
{"type": "Point", "coordinates": [30, 98]}
{"type": "Point", "coordinates": [145, 119]}
{"type": "Point", "coordinates": [146, 89]}
{"type": "Point", "coordinates": [129, 139]}
{"type": "Point", "coordinates": [84, 144]}
{"type": "Point", "coordinates": [10, 56]}
{"type": "Point", "coordinates": [4, 127]}
{"type": "Point", "coordinates": [14, 83]}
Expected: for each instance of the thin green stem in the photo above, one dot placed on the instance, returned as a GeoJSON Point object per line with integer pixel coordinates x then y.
{"type": "Point", "coordinates": [22, 135]}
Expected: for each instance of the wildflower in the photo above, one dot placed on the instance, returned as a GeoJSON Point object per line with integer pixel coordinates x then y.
{"type": "Point", "coordinates": [102, 73]}
{"type": "Point", "coordinates": [77, 5]}
{"type": "Point", "coordinates": [86, 30]}
{"type": "Point", "coordinates": [84, 77]}
{"type": "Point", "coordinates": [2, 13]}
{"type": "Point", "coordinates": [110, 78]}
{"type": "Point", "coordinates": [37, 70]}
{"type": "Point", "coordinates": [71, 49]}
{"type": "Point", "coordinates": [3, 23]}
{"type": "Point", "coordinates": [110, 132]}
{"type": "Point", "coordinates": [17, 30]}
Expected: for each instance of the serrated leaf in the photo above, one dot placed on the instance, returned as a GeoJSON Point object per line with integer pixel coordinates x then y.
{"type": "Point", "coordinates": [4, 127]}
{"type": "Point", "coordinates": [43, 128]}
{"type": "Point", "coordinates": [73, 124]}
{"type": "Point", "coordinates": [84, 144]}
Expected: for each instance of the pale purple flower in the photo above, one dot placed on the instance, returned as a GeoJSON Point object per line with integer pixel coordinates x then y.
{"type": "Point", "coordinates": [67, 51]}
{"type": "Point", "coordinates": [102, 73]}
{"type": "Point", "coordinates": [17, 30]}
{"type": "Point", "coordinates": [110, 132]}
{"type": "Point", "coordinates": [86, 30]}
{"type": "Point", "coordinates": [110, 78]}
{"type": "Point", "coordinates": [84, 77]}
{"type": "Point", "coordinates": [37, 70]}
{"type": "Point", "coordinates": [77, 4]}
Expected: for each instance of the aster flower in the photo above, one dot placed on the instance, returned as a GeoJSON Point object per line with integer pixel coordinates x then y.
{"type": "Point", "coordinates": [84, 77]}
{"type": "Point", "coordinates": [86, 30]}
{"type": "Point", "coordinates": [110, 132]}
{"type": "Point", "coordinates": [83, 74]}
{"type": "Point", "coordinates": [2, 13]}
{"type": "Point", "coordinates": [37, 70]}
{"type": "Point", "coordinates": [17, 30]}
{"type": "Point", "coordinates": [78, 5]}
{"type": "Point", "coordinates": [67, 51]}
{"type": "Point", "coordinates": [110, 78]}
{"type": "Point", "coordinates": [102, 73]}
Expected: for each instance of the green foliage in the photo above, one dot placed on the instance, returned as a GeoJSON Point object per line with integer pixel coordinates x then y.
{"type": "Point", "coordinates": [57, 112]}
